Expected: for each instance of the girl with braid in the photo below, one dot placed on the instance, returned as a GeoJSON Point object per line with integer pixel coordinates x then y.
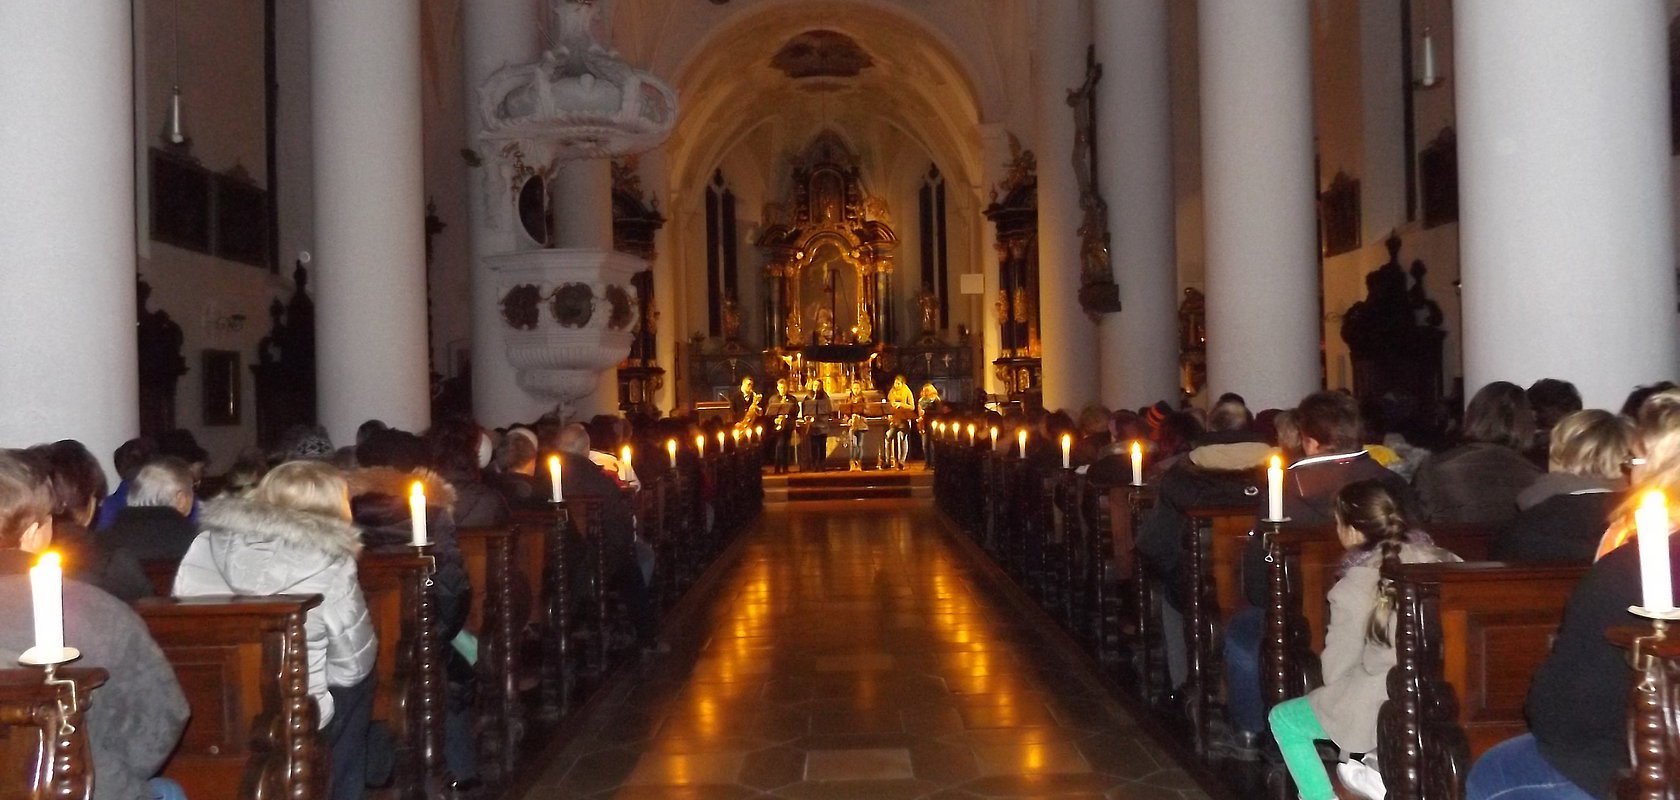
{"type": "Point", "coordinates": [1358, 645]}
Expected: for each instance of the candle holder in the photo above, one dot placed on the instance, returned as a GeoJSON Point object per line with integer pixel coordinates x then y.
{"type": "Point", "coordinates": [48, 657]}
{"type": "Point", "coordinates": [1275, 523]}
{"type": "Point", "coordinates": [48, 660]}
{"type": "Point", "coordinates": [1637, 657]}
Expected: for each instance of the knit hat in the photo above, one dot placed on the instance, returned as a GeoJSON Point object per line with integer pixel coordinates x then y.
{"type": "Point", "coordinates": [1156, 414]}
{"type": "Point", "coordinates": [311, 445]}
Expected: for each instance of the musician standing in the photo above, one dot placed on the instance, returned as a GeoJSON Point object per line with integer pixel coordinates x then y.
{"type": "Point", "coordinates": [746, 406]}
{"type": "Point", "coordinates": [818, 410]}
{"type": "Point", "coordinates": [782, 408]}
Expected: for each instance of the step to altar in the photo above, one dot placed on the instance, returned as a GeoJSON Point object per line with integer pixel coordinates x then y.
{"type": "Point", "coordinates": [872, 484]}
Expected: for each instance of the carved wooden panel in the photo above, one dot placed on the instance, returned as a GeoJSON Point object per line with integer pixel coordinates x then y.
{"type": "Point", "coordinates": [43, 750]}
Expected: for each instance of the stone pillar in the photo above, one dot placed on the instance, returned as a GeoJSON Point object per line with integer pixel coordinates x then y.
{"type": "Point", "coordinates": [1565, 207]}
{"type": "Point", "coordinates": [68, 367]}
{"type": "Point", "coordinates": [658, 182]}
{"type": "Point", "coordinates": [994, 145]}
{"type": "Point", "coordinates": [1134, 130]}
{"type": "Point", "coordinates": [1261, 229]}
{"type": "Point", "coordinates": [1069, 338]}
{"type": "Point", "coordinates": [497, 33]}
{"type": "Point", "coordinates": [583, 205]}
{"type": "Point", "coordinates": [371, 350]}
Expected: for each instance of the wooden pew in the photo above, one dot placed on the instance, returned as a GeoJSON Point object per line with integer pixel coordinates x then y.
{"type": "Point", "coordinates": [410, 689]}
{"type": "Point", "coordinates": [243, 664]}
{"type": "Point", "coordinates": [1214, 543]}
{"type": "Point", "coordinates": [1149, 658]}
{"type": "Point", "coordinates": [1653, 715]}
{"type": "Point", "coordinates": [488, 554]}
{"type": "Point", "coordinates": [44, 750]}
{"type": "Point", "coordinates": [1468, 638]}
{"type": "Point", "coordinates": [161, 572]}
{"type": "Point", "coordinates": [1301, 564]}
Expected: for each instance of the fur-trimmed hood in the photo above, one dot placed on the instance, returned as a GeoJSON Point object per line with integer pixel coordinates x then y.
{"type": "Point", "coordinates": [260, 548]}
{"type": "Point", "coordinates": [396, 483]}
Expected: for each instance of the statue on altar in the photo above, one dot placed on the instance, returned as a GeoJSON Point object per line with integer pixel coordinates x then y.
{"type": "Point", "coordinates": [825, 326]}
{"type": "Point", "coordinates": [795, 327]}
{"type": "Point", "coordinates": [865, 329]}
{"type": "Point", "coordinates": [928, 302]}
{"type": "Point", "coordinates": [731, 319]}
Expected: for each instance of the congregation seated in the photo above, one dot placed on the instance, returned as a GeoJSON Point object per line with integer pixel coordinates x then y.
{"type": "Point", "coordinates": [136, 717]}
{"type": "Point", "coordinates": [514, 472]}
{"type": "Point", "coordinates": [177, 443]}
{"type": "Point", "coordinates": [582, 479]}
{"type": "Point", "coordinates": [1477, 482]}
{"type": "Point", "coordinates": [1564, 513]}
{"type": "Point", "coordinates": [1552, 400]}
{"type": "Point", "coordinates": [77, 483]}
{"type": "Point", "coordinates": [1577, 704]}
{"type": "Point", "coordinates": [1112, 465]}
{"type": "Point", "coordinates": [1358, 642]}
{"type": "Point", "coordinates": [153, 525]}
{"type": "Point", "coordinates": [459, 450]}
{"type": "Point", "coordinates": [294, 535]}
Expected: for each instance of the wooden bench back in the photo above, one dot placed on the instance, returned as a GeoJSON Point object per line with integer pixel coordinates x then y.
{"type": "Point", "coordinates": [409, 692]}
{"type": "Point", "coordinates": [243, 664]}
{"type": "Point", "coordinates": [495, 619]}
{"type": "Point", "coordinates": [41, 757]}
{"type": "Point", "coordinates": [1468, 638]}
{"type": "Point", "coordinates": [1653, 715]}
{"type": "Point", "coordinates": [1227, 533]}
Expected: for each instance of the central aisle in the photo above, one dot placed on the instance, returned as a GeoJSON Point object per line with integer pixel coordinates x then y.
{"type": "Point", "coordinates": [850, 653]}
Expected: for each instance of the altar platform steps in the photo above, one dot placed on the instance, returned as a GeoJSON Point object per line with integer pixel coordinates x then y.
{"type": "Point", "coordinates": [800, 487]}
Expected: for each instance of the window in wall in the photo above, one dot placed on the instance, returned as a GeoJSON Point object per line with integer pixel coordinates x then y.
{"type": "Point", "coordinates": [721, 273]}
{"type": "Point", "coordinates": [935, 249]}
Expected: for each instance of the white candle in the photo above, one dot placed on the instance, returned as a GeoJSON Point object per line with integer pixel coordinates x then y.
{"type": "Point", "coordinates": [1021, 437]}
{"type": "Point", "coordinates": [624, 463]}
{"type": "Point", "coordinates": [758, 433]}
{"type": "Point", "coordinates": [994, 438]}
{"type": "Point", "coordinates": [1067, 451]}
{"type": "Point", "coordinates": [554, 478]}
{"type": "Point", "coordinates": [1274, 489]}
{"type": "Point", "coordinates": [417, 513]}
{"type": "Point", "coordinates": [1651, 519]}
{"type": "Point", "coordinates": [671, 448]}
{"type": "Point", "coordinates": [970, 434]}
{"type": "Point", "coordinates": [720, 441]}
{"type": "Point", "coordinates": [46, 584]}
{"type": "Point", "coordinates": [1137, 464]}
{"type": "Point", "coordinates": [700, 445]}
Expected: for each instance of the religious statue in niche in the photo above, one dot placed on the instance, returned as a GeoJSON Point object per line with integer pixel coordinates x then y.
{"type": "Point", "coordinates": [825, 325]}
{"type": "Point", "coordinates": [285, 368]}
{"type": "Point", "coordinates": [1192, 343]}
{"type": "Point", "coordinates": [731, 319]}
{"type": "Point", "coordinates": [161, 364]}
{"type": "Point", "coordinates": [1394, 335]}
{"type": "Point", "coordinates": [1098, 293]}
{"type": "Point", "coordinates": [927, 302]}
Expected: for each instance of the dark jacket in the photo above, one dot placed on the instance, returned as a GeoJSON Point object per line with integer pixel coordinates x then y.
{"type": "Point", "coordinates": [1474, 483]}
{"type": "Point", "coordinates": [1577, 704]}
{"type": "Point", "coordinates": [151, 533]}
{"type": "Point", "coordinates": [134, 720]}
{"type": "Point", "coordinates": [379, 506]}
{"type": "Point", "coordinates": [1160, 537]}
{"type": "Point", "coordinates": [1561, 517]}
{"type": "Point", "coordinates": [117, 572]}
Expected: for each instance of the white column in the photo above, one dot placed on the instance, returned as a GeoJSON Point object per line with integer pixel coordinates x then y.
{"type": "Point", "coordinates": [68, 365]}
{"type": "Point", "coordinates": [583, 205]}
{"type": "Point", "coordinates": [496, 33]}
{"type": "Point", "coordinates": [1261, 231]}
{"type": "Point", "coordinates": [994, 145]}
{"type": "Point", "coordinates": [1134, 129]}
{"type": "Point", "coordinates": [657, 180]}
{"type": "Point", "coordinates": [1069, 338]}
{"type": "Point", "coordinates": [1565, 209]}
{"type": "Point", "coordinates": [369, 211]}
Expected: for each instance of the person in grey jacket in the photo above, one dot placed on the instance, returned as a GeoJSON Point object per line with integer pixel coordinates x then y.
{"type": "Point", "coordinates": [1359, 644]}
{"type": "Point", "coordinates": [294, 536]}
{"type": "Point", "coordinates": [135, 719]}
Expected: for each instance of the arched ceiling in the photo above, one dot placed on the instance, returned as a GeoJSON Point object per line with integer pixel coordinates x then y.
{"type": "Point", "coordinates": [811, 64]}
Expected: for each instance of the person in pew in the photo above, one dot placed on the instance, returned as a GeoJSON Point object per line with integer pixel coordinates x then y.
{"type": "Point", "coordinates": [1636, 398]}
{"type": "Point", "coordinates": [605, 440]}
{"type": "Point", "coordinates": [77, 482]}
{"type": "Point", "coordinates": [293, 535]}
{"type": "Point", "coordinates": [1552, 400]}
{"type": "Point", "coordinates": [1358, 642]}
{"type": "Point", "coordinates": [623, 572]}
{"type": "Point", "coordinates": [135, 719]}
{"type": "Point", "coordinates": [1562, 516]}
{"type": "Point", "coordinates": [1112, 465]}
{"type": "Point", "coordinates": [513, 471]}
{"type": "Point", "coordinates": [1477, 482]}
{"type": "Point", "coordinates": [1331, 434]}
{"type": "Point", "coordinates": [458, 449]}
{"type": "Point", "coordinates": [154, 526]}
{"type": "Point", "coordinates": [392, 461]}
{"type": "Point", "coordinates": [1577, 741]}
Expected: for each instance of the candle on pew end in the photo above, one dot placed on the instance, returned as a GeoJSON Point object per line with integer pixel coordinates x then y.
{"type": "Point", "coordinates": [46, 586]}
{"type": "Point", "coordinates": [1067, 451]}
{"type": "Point", "coordinates": [1651, 521]}
{"type": "Point", "coordinates": [1274, 489]}
{"type": "Point", "coordinates": [624, 463]}
{"type": "Point", "coordinates": [554, 478]}
{"type": "Point", "coordinates": [1137, 463]}
{"type": "Point", "coordinates": [758, 433]}
{"type": "Point", "coordinates": [994, 437]}
{"type": "Point", "coordinates": [417, 513]}
{"type": "Point", "coordinates": [1021, 437]}
{"type": "Point", "coordinates": [720, 441]}
{"type": "Point", "coordinates": [700, 445]}
{"type": "Point", "coordinates": [970, 434]}
{"type": "Point", "coordinates": [671, 448]}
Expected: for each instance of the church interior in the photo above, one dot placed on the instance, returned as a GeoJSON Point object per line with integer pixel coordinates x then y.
{"type": "Point", "coordinates": [839, 398]}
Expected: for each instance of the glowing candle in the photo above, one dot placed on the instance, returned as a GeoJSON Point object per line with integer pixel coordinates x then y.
{"type": "Point", "coordinates": [994, 437]}
{"type": "Point", "coordinates": [671, 448]}
{"type": "Point", "coordinates": [700, 445]}
{"type": "Point", "coordinates": [417, 513]}
{"type": "Point", "coordinates": [758, 433]}
{"type": "Point", "coordinates": [46, 585]}
{"type": "Point", "coordinates": [1274, 489]}
{"type": "Point", "coordinates": [1067, 451]}
{"type": "Point", "coordinates": [1651, 519]}
{"type": "Point", "coordinates": [624, 463]}
{"type": "Point", "coordinates": [735, 437]}
{"type": "Point", "coordinates": [1137, 464]}
{"type": "Point", "coordinates": [554, 478]}
{"type": "Point", "coordinates": [970, 434]}
{"type": "Point", "coordinates": [1021, 436]}
{"type": "Point", "coordinates": [720, 441]}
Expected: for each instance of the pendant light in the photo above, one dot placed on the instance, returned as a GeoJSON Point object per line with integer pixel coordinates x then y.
{"type": "Point", "coordinates": [1428, 76]}
{"type": "Point", "coordinates": [174, 130]}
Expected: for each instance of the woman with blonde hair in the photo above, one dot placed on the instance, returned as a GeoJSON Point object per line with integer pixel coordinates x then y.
{"type": "Point", "coordinates": [293, 535]}
{"type": "Point", "coordinates": [1562, 515]}
{"type": "Point", "coordinates": [901, 414]}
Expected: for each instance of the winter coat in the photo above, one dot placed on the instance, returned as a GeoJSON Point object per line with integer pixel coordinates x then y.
{"type": "Point", "coordinates": [1473, 483]}
{"type": "Point", "coordinates": [252, 548]}
{"type": "Point", "coordinates": [379, 505]}
{"type": "Point", "coordinates": [117, 572]}
{"type": "Point", "coordinates": [1355, 668]}
{"type": "Point", "coordinates": [151, 533]}
{"type": "Point", "coordinates": [134, 720]}
{"type": "Point", "coordinates": [819, 408]}
{"type": "Point", "coordinates": [1233, 478]}
{"type": "Point", "coordinates": [1561, 518]}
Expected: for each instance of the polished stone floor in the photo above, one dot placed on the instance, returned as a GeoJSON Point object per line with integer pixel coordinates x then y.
{"type": "Point", "coordinates": [851, 653]}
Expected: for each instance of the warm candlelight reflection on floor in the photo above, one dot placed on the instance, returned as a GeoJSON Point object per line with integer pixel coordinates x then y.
{"type": "Point", "coordinates": [852, 651]}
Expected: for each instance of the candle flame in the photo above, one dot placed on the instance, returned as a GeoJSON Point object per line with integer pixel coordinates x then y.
{"type": "Point", "coordinates": [554, 464]}
{"type": "Point", "coordinates": [418, 492]}
{"type": "Point", "coordinates": [1277, 462]}
{"type": "Point", "coordinates": [48, 559]}
{"type": "Point", "coordinates": [1067, 440]}
{"type": "Point", "coordinates": [624, 454]}
{"type": "Point", "coordinates": [1653, 499]}
{"type": "Point", "coordinates": [1137, 449]}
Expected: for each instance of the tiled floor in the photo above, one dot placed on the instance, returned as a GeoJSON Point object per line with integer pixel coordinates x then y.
{"type": "Point", "coordinates": [849, 654]}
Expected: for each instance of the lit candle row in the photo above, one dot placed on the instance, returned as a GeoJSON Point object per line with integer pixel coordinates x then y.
{"type": "Point", "coordinates": [1656, 578]}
